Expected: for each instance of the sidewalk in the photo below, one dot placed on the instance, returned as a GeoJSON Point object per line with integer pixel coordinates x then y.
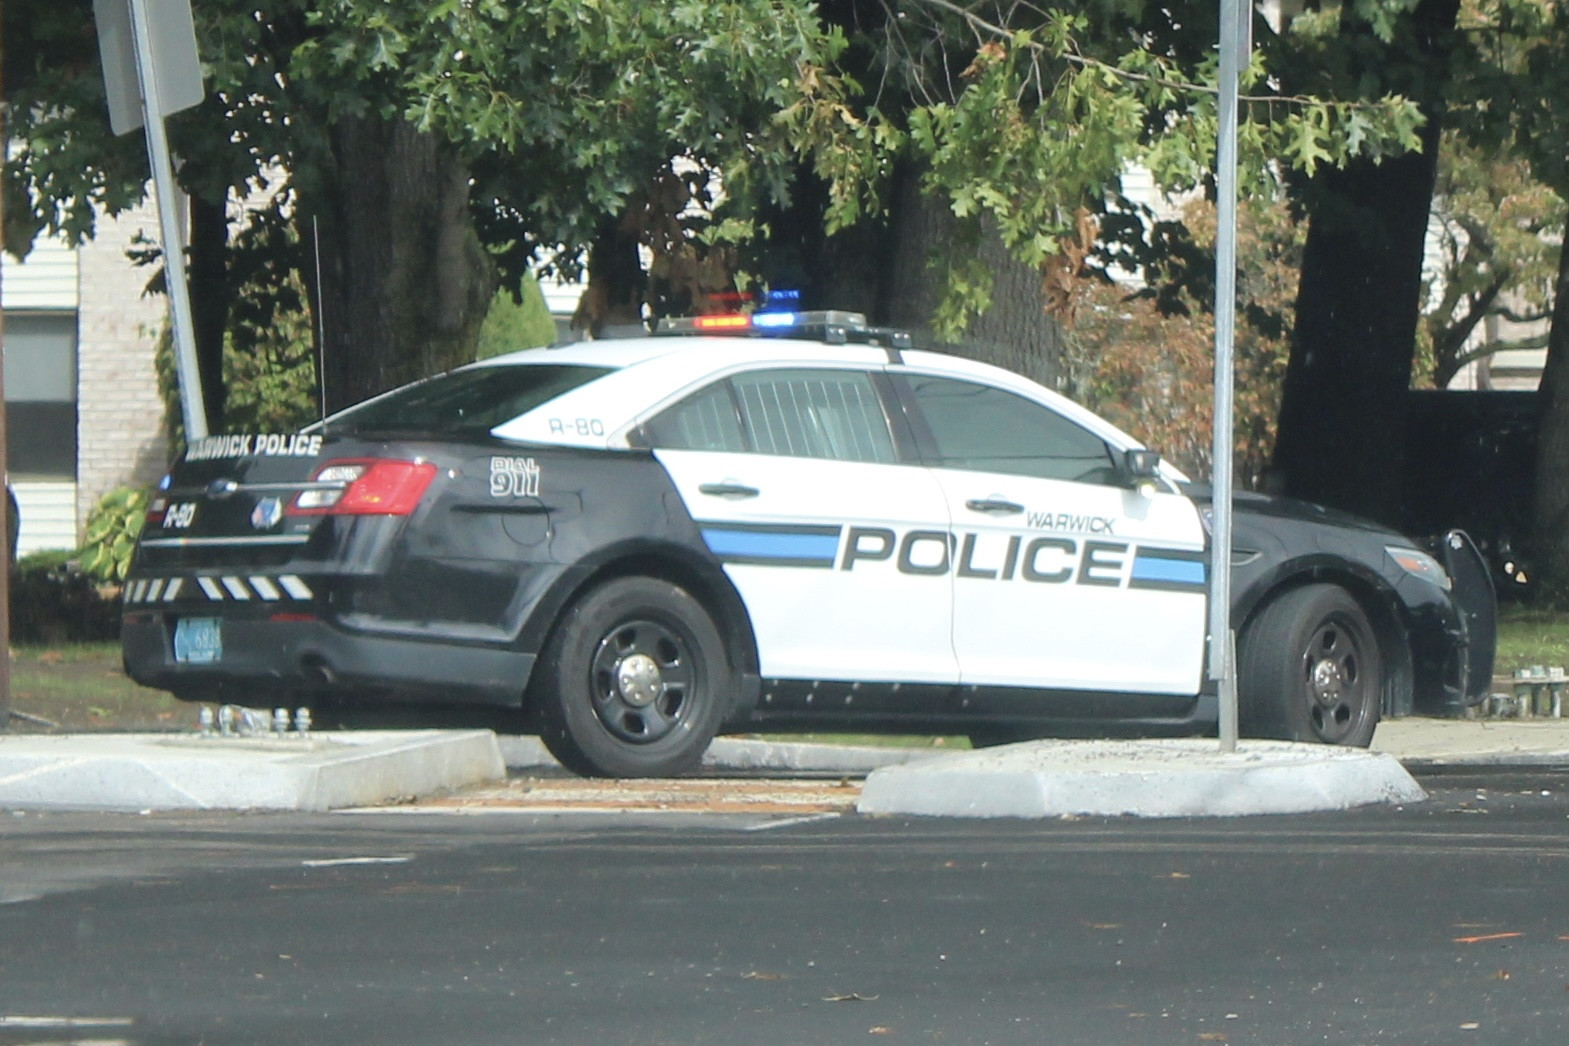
{"type": "Point", "coordinates": [1418, 742]}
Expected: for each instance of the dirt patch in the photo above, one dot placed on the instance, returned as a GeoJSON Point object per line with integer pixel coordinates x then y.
{"type": "Point", "coordinates": [774, 797]}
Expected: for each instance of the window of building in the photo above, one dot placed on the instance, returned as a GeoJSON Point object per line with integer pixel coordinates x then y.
{"type": "Point", "coordinates": [40, 395]}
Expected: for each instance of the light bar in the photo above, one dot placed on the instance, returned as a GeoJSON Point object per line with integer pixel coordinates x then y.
{"type": "Point", "coordinates": [721, 323]}
{"type": "Point", "coordinates": [771, 321]}
{"type": "Point", "coordinates": [775, 319]}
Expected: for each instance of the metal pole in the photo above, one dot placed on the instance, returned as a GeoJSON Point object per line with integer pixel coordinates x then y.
{"type": "Point", "coordinates": [6, 551]}
{"type": "Point", "coordinates": [195, 409]}
{"type": "Point", "coordinates": [1222, 665]}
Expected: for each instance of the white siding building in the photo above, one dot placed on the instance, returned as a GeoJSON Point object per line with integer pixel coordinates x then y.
{"type": "Point", "coordinates": [81, 390]}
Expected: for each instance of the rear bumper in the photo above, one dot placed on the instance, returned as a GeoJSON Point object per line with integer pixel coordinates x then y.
{"type": "Point", "coordinates": [264, 657]}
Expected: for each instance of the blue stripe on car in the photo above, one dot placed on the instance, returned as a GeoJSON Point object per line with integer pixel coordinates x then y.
{"type": "Point", "coordinates": [794, 546]}
{"type": "Point", "coordinates": [1167, 569]}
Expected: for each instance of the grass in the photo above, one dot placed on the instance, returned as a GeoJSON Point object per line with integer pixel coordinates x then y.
{"type": "Point", "coordinates": [82, 687]}
{"type": "Point", "coordinates": [1529, 637]}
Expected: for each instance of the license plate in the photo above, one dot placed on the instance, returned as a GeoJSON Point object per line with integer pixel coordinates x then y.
{"type": "Point", "coordinates": [197, 640]}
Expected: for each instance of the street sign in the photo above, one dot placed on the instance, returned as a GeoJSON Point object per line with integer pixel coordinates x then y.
{"type": "Point", "coordinates": [148, 50]}
{"type": "Point", "coordinates": [173, 37]}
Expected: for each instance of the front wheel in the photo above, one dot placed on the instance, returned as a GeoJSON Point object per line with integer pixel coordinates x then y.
{"type": "Point", "coordinates": [1310, 669]}
{"type": "Point", "coordinates": [634, 681]}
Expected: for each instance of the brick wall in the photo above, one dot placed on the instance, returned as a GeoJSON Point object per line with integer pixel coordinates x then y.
{"type": "Point", "coordinates": [120, 435]}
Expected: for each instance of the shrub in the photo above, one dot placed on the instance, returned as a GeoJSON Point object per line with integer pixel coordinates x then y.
{"type": "Point", "coordinates": [53, 603]}
{"type": "Point", "coordinates": [112, 528]}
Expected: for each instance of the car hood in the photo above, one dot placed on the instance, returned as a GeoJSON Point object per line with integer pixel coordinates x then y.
{"type": "Point", "coordinates": [1270, 506]}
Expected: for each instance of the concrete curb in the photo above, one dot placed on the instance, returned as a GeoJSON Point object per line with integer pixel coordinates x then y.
{"type": "Point", "coordinates": [1176, 778]}
{"type": "Point", "coordinates": [118, 772]}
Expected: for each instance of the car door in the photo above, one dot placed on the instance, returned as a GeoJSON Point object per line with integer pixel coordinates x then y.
{"type": "Point", "coordinates": [1065, 576]}
{"type": "Point", "coordinates": [794, 477]}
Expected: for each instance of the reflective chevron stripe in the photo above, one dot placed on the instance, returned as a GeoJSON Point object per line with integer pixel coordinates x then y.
{"type": "Point", "coordinates": [228, 587]}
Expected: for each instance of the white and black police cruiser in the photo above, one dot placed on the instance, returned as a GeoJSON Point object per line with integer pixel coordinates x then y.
{"type": "Point", "coordinates": [642, 542]}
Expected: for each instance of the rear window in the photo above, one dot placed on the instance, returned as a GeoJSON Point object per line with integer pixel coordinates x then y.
{"type": "Point", "coordinates": [464, 402]}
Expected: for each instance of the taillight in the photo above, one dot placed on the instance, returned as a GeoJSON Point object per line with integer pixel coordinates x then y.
{"type": "Point", "coordinates": [158, 504]}
{"type": "Point", "coordinates": [376, 487]}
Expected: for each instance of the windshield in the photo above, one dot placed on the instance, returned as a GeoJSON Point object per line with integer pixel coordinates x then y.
{"type": "Point", "coordinates": [463, 402]}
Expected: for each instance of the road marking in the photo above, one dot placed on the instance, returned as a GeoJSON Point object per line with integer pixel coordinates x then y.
{"type": "Point", "coordinates": [18, 1021]}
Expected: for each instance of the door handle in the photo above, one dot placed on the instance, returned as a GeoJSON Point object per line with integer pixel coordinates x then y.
{"type": "Point", "coordinates": [728, 490]}
{"type": "Point", "coordinates": [993, 506]}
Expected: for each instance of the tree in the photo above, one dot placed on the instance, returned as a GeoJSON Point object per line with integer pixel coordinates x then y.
{"type": "Point", "coordinates": [1342, 414]}
{"type": "Point", "coordinates": [427, 150]}
{"type": "Point", "coordinates": [1003, 123]}
{"type": "Point", "coordinates": [423, 151]}
{"type": "Point", "coordinates": [1531, 80]}
{"type": "Point", "coordinates": [1143, 355]}
{"type": "Point", "coordinates": [1498, 235]}
{"type": "Point", "coordinates": [1518, 103]}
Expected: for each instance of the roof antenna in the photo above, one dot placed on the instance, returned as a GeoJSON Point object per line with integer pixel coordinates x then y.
{"type": "Point", "coordinates": [321, 326]}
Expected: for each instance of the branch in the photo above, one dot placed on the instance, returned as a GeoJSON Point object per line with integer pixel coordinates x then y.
{"type": "Point", "coordinates": [1075, 58]}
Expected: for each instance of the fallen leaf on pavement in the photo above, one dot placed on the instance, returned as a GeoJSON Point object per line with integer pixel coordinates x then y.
{"type": "Point", "coordinates": [1488, 937]}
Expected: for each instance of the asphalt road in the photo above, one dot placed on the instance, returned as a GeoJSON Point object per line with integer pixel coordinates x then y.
{"type": "Point", "coordinates": [1443, 922]}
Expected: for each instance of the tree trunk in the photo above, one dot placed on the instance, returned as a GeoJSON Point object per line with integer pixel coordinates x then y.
{"type": "Point", "coordinates": [613, 299]}
{"type": "Point", "coordinates": [1015, 332]}
{"type": "Point", "coordinates": [1342, 414]}
{"type": "Point", "coordinates": [405, 282]}
{"type": "Point", "coordinates": [1550, 527]}
{"type": "Point", "coordinates": [883, 269]}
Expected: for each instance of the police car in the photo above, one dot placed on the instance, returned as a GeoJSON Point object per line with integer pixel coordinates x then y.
{"type": "Point", "coordinates": [643, 542]}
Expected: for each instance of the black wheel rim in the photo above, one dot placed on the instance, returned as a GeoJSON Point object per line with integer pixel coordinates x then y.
{"type": "Point", "coordinates": [1339, 682]}
{"type": "Point", "coordinates": [644, 678]}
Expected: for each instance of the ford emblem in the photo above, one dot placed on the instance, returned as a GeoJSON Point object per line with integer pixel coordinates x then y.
{"type": "Point", "coordinates": [267, 513]}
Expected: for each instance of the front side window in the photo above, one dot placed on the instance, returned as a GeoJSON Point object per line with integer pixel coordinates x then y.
{"type": "Point", "coordinates": [464, 402]}
{"type": "Point", "coordinates": [987, 429]}
{"type": "Point", "coordinates": [794, 413]}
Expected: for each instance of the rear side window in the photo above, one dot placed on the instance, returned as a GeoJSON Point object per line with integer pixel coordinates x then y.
{"type": "Point", "coordinates": [704, 421]}
{"type": "Point", "coordinates": [992, 430]}
{"type": "Point", "coordinates": [464, 402]}
{"type": "Point", "coordinates": [793, 413]}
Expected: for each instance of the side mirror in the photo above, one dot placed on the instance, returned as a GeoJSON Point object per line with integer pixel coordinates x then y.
{"type": "Point", "coordinates": [1142, 467]}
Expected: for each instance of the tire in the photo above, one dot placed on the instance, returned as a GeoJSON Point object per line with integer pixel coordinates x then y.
{"type": "Point", "coordinates": [1310, 669]}
{"type": "Point", "coordinates": [634, 681]}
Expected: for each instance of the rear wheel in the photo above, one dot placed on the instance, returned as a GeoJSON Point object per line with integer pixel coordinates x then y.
{"type": "Point", "coordinates": [634, 682]}
{"type": "Point", "coordinates": [1310, 669]}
